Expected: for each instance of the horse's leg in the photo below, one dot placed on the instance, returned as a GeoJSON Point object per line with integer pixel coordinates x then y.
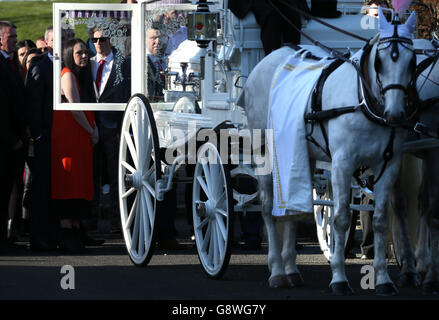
{"type": "Point", "coordinates": [422, 251]}
{"type": "Point", "coordinates": [384, 285]}
{"type": "Point", "coordinates": [431, 282]}
{"type": "Point", "coordinates": [341, 183]}
{"type": "Point", "coordinates": [289, 254]}
{"type": "Point", "coordinates": [275, 266]}
{"type": "Point", "coordinates": [408, 276]}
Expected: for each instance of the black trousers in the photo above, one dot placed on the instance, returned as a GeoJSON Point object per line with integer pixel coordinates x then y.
{"type": "Point", "coordinates": [6, 181]}
{"type": "Point", "coordinates": [16, 195]}
{"type": "Point", "coordinates": [105, 167]}
{"type": "Point", "coordinates": [43, 221]}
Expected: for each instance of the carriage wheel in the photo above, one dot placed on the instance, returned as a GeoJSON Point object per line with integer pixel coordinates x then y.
{"type": "Point", "coordinates": [324, 219]}
{"type": "Point", "coordinates": [139, 170]}
{"type": "Point", "coordinates": [212, 211]}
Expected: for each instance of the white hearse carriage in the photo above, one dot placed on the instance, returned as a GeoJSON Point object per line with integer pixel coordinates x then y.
{"type": "Point", "coordinates": [196, 122]}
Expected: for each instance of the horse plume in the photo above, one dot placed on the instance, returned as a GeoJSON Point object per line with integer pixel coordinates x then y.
{"type": "Point", "coordinates": [401, 5]}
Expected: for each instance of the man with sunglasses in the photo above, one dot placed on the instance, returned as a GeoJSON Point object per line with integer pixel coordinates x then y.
{"type": "Point", "coordinates": [112, 79]}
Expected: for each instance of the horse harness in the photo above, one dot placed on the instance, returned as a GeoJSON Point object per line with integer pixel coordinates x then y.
{"type": "Point", "coordinates": [369, 105]}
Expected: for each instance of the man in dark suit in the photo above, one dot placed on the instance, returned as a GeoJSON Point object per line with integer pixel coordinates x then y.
{"type": "Point", "coordinates": [10, 142]}
{"type": "Point", "coordinates": [274, 29]}
{"type": "Point", "coordinates": [43, 222]}
{"type": "Point", "coordinates": [112, 76]}
{"type": "Point", "coordinates": [8, 35]}
{"type": "Point", "coordinates": [156, 42]}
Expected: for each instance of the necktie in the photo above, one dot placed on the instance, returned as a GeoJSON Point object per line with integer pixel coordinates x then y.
{"type": "Point", "coordinates": [162, 76]}
{"type": "Point", "coordinates": [99, 74]}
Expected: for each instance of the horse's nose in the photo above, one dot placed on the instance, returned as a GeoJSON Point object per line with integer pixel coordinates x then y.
{"type": "Point", "coordinates": [392, 117]}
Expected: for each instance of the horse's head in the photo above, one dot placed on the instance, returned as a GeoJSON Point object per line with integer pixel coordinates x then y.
{"type": "Point", "coordinates": [394, 66]}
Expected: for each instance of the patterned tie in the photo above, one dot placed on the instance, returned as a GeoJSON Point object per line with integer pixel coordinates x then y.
{"type": "Point", "coordinates": [162, 76]}
{"type": "Point", "coordinates": [99, 74]}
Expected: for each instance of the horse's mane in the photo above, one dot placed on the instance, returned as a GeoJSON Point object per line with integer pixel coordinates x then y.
{"type": "Point", "coordinates": [374, 39]}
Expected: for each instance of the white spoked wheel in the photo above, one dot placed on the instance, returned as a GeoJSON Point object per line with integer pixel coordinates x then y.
{"type": "Point", "coordinates": [324, 219]}
{"type": "Point", "coordinates": [212, 211]}
{"type": "Point", "coordinates": [139, 170]}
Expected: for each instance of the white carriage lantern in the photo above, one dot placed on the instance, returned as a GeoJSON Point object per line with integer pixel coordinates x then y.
{"type": "Point", "coordinates": [202, 25]}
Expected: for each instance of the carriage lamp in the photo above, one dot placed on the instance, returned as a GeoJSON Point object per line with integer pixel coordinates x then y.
{"type": "Point", "coordinates": [202, 24]}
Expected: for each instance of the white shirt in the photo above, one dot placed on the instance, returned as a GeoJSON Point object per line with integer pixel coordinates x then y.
{"type": "Point", "coordinates": [105, 72]}
{"type": "Point", "coordinates": [4, 54]}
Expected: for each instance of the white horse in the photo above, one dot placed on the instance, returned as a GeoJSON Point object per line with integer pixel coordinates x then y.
{"type": "Point", "coordinates": [353, 141]}
{"type": "Point", "coordinates": [425, 259]}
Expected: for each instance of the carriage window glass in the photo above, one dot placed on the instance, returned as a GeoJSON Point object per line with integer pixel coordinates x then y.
{"type": "Point", "coordinates": [172, 64]}
{"type": "Point", "coordinates": [96, 46]}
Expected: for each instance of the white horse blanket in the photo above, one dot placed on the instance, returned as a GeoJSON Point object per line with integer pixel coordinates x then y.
{"type": "Point", "coordinates": [291, 90]}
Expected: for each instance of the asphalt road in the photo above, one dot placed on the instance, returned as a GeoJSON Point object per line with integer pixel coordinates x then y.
{"type": "Point", "coordinates": [106, 273]}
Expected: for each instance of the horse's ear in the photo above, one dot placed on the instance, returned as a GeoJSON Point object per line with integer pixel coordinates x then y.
{"type": "Point", "coordinates": [410, 23]}
{"type": "Point", "coordinates": [384, 24]}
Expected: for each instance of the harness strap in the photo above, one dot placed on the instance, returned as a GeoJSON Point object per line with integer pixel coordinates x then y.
{"type": "Point", "coordinates": [387, 155]}
{"type": "Point", "coordinates": [425, 130]}
{"type": "Point", "coordinates": [320, 116]}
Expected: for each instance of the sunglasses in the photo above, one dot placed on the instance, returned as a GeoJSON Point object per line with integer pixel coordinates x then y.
{"type": "Point", "coordinates": [102, 39]}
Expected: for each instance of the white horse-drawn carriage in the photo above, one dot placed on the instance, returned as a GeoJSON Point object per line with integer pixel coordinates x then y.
{"type": "Point", "coordinates": [198, 122]}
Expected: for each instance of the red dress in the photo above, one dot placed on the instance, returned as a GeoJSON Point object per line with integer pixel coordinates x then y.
{"type": "Point", "coordinates": [72, 156]}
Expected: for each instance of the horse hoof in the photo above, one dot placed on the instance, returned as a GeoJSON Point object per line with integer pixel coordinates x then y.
{"type": "Point", "coordinates": [295, 280]}
{"type": "Point", "coordinates": [430, 288]}
{"type": "Point", "coordinates": [409, 280]}
{"type": "Point", "coordinates": [341, 289]}
{"type": "Point", "coordinates": [386, 289]}
{"type": "Point", "coordinates": [278, 282]}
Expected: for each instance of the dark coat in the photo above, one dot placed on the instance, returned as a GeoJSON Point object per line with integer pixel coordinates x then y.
{"type": "Point", "coordinates": [39, 86]}
{"type": "Point", "coordinates": [117, 90]}
{"type": "Point", "coordinates": [155, 86]}
{"type": "Point", "coordinates": [13, 99]}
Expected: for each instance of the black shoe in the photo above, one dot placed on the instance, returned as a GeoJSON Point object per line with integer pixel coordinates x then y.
{"type": "Point", "coordinates": [71, 242]}
{"type": "Point", "coordinates": [6, 248]}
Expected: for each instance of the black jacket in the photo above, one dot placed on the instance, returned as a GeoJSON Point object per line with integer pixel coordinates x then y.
{"type": "Point", "coordinates": [39, 87]}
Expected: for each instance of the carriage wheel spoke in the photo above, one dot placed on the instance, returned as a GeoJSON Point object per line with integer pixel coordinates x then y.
{"type": "Point", "coordinates": [206, 236]}
{"type": "Point", "coordinates": [131, 214]}
{"type": "Point", "coordinates": [222, 241]}
{"type": "Point", "coordinates": [135, 238]}
{"type": "Point", "coordinates": [203, 186]}
{"type": "Point", "coordinates": [208, 179]}
{"type": "Point", "coordinates": [127, 166]}
{"type": "Point", "coordinates": [147, 222]}
{"type": "Point", "coordinates": [130, 191]}
{"type": "Point", "coordinates": [221, 227]}
{"type": "Point", "coordinates": [149, 206]}
{"type": "Point", "coordinates": [215, 243]}
{"type": "Point", "coordinates": [149, 188]}
{"type": "Point", "coordinates": [148, 149]}
{"type": "Point", "coordinates": [141, 230]}
{"type": "Point", "coordinates": [202, 224]}
{"type": "Point", "coordinates": [135, 128]}
{"type": "Point", "coordinates": [220, 200]}
{"type": "Point", "coordinates": [131, 148]}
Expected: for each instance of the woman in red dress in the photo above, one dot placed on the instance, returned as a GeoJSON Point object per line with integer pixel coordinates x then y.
{"type": "Point", "coordinates": [73, 135]}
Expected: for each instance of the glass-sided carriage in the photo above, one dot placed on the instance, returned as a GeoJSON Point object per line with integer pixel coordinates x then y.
{"type": "Point", "coordinates": [195, 123]}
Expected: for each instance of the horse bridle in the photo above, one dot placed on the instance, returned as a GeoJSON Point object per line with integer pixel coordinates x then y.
{"type": "Point", "coordinates": [394, 41]}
